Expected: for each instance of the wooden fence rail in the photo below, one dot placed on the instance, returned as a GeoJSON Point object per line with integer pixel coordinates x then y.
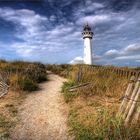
{"type": "Point", "coordinates": [130, 106]}
{"type": "Point", "coordinates": [81, 72]}
{"type": "Point", "coordinates": [119, 71]}
{"type": "Point", "coordinates": [4, 87]}
{"type": "Point", "coordinates": [122, 72]}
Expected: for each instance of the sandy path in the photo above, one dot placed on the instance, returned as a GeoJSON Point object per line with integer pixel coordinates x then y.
{"type": "Point", "coordinates": [44, 114]}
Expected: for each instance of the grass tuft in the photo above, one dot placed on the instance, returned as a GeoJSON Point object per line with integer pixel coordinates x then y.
{"type": "Point", "coordinates": [65, 90]}
{"type": "Point", "coordinates": [5, 125]}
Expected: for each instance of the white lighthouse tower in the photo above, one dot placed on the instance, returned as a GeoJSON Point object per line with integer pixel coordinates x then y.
{"type": "Point", "coordinates": [87, 36]}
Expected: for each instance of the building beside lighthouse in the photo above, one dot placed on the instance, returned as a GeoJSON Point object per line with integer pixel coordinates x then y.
{"type": "Point", "coordinates": [87, 36]}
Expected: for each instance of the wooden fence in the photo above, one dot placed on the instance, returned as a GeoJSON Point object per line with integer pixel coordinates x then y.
{"type": "Point", "coordinates": [4, 85]}
{"type": "Point", "coordinates": [130, 106]}
{"type": "Point", "coordinates": [120, 71]}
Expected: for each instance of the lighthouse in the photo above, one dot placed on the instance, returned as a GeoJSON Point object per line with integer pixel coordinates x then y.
{"type": "Point", "coordinates": [87, 36]}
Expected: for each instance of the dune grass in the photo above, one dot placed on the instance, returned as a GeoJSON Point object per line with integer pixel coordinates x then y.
{"type": "Point", "coordinates": [68, 97]}
{"type": "Point", "coordinates": [23, 76]}
{"type": "Point", "coordinates": [9, 113]}
{"type": "Point", "coordinates": [93, 108]}
{"type": "Point", "coordinates": [5, 125]}
{"type": "Point", "coordinates": [99, 124]}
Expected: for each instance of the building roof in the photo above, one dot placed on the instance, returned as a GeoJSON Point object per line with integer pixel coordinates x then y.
{"type": "Point", "coordinates": [87, 27]}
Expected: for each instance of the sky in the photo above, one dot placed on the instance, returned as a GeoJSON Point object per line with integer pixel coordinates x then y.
{"type": "Point", "coordinates": [49, 31]}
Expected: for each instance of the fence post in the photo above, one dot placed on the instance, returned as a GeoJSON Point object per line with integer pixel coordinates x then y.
{"type": "Point", "coordinates": [132, 107]}
{"type": "Point", "coordinates": [79, 74]}
{"type": "Point", "coordinates": [132, 97]}
{"type": "Point", "coordinates": [136, 117]}
{"type": "Point", "coordinates": [127, 93]}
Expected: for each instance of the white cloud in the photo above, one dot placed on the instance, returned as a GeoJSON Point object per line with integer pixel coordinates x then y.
{"type": "Point", "coordinates": [24, 18]}
{"type": "Point", "coordinates": [52, 18]}
{"type": "Point", "coordinates": [29, 28]}
{"type": "Point", "coordinates": [132, 51]}
{"type": "Point", "coordinates": [129, 57]}
{"type": "Point", "coordinates": [92, 6]}
{"type": "Point", "coordinates": [38, 40]}
{"type": "Point", "coordinates": [94, 19]}
{"type": "Point", "coordinates": [60, 30]}
{"type": "Point", "coordinates": [77, 60]}
{"type": "Point", "coordinates": [98, 17]}
{"type": "Point", "coordinates": [111, 53]}
{"type": "Point", "coordinates": [128, 54]}
{"type": "Point", "coordinates": [23, 50]}
{"type": "Point", "coordinates": [97, 58]}
{"type": "Point", "coordinates": [132, 48]}
{"type": "Point", "coordinates": [97, 5]}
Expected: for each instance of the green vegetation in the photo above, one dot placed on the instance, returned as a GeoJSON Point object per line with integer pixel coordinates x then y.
{"type": "Point", "coordinates": [8, 120]}
{"type": "Point", "coordinates": [93, 108]}
{"type": "Point", "coordinates": [138, 68]}
{"type": "Point", "coordinates": [27, 84]}
{"type": "Point", "coordinates": [12, 109]}
{"type": "Point", "coordinates": [67, 96]}
{"type": "Point", "coordinates": [62, 70]}
{"type": "Point", "coordinates": [23, 76]}
{"type": "Point", "coordinates": [5, 125]}
{"type": "Point", "coordinates": [9, 113]}
{"type": "Point", "coordinates": [100, 125]}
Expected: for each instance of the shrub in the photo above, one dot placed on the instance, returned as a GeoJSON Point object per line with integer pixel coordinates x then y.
{"type": "Point", "coordinates": [138, 68]}
{"type": "Point", "coordinates": [24, 75]}
{"type": "Point", "coordinates": [37, 72]}
{"type": "Point", "coordinates": [41, 78]}
{"type": "Point", "coordinates": [27, 84]}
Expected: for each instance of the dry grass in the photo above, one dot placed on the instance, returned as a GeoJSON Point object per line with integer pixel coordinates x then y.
{"type": "Point", "coordinates": [92, 119]}
{"type": "Point", "coordinates": [94, 108]}
{"type": "Point", "coordinates": [8, 112]}
{"type": "Point", "coordinates": [23, 76]}
{"type": "Point", "coordinates": [102, 82]}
